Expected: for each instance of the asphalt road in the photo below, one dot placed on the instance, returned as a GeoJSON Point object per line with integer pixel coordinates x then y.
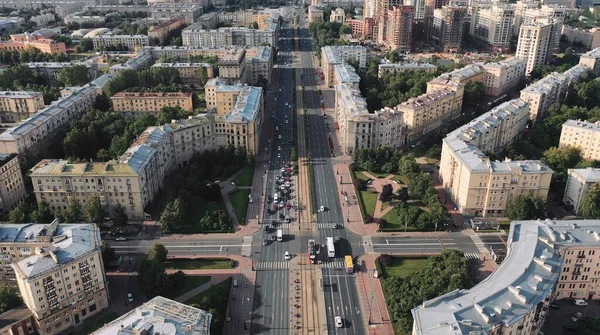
{"type": "Point", "coordinates": [424, 245]}
{"type": "Point", "coordinates": [181, 247]}
{"type": "Point", "coordinates": [340, 290]}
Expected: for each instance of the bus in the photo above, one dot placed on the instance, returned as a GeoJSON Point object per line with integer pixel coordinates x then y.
{"type": "Point", "coordinates": [312, 254]}
{"type": "Point", "coordinates": [279, 235]}
{"type": "Point", "coordinates": [349, 264]}
{"type": "Point", "coordinates": [330, 247]}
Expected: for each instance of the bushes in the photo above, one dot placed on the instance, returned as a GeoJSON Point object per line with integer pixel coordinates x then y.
{"type": "Point", "coordinates": [368, 218]}
{"type": "Point", "coordinates": [382, 223]}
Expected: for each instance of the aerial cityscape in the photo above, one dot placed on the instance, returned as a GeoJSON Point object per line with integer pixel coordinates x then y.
{"type": "Point", "coordinates": [377, 167]}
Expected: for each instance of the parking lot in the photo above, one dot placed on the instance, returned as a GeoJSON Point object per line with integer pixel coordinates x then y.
{"type": "Point", "coordinates": [561, 317]}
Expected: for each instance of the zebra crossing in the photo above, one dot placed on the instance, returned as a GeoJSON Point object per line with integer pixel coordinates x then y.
{"type": "Point", "coordinates": [334, 265]}
{"type": "Point", "coordinates": [471, 255]}
{"type": "Point", "coordinates": [272, 265]}
{"type": "Point", "coordinates": [280, 225]}
{"type": "Point", "coordinates": [329, 225]}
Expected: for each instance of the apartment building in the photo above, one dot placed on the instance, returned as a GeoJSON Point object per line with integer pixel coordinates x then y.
{"type": "Point", "coordinates": [381, 8]}
{"type": "Point", "coordinates": [161, 31]}
{"type": "Point", "coordinates": [479, 186]}
{"type": "Point", "coordinates": [582, 135]}
{"type": "Point", "coordinates": [447, 28]}
{"type": "Point", "coordinates": [189, 72]}
{"type": "Point", "coordinates": [357, 128]}
{"type": "Point", "coordinates": [551, 89]}
{"type": "Point", "coordinates": [232, 66]}
{"type": "Point", "coordinates": [136, 104]}
{"type": "Point", "coordinates": [579, 183]}
{"type": "Point", "coordinates": [462, 76]}
{"type": "Point", "coordinates": [141, 61]}
{"type": "Point", "coordinates": [226, 36]}
{"type": "Point", "coordinates": [16, 105]}
{"type": "Point", "coordinates": [259, 65]}
{"type": "Point", "coordinates": [534, 45]}
{"type": "Point", "coordinates": [397, 28]}
{"type": "Point", "coordinates": [43, 45]}
{"type": "Point", "coordinates": [160, 313]}
{"type": "Point", "coordinates": [83, 18]}
{"type": "Point", "coordinates": [59, 272]}
{"type": "Point", "coordinates": [493, 25]}
{"type": "Point", "coordinates": [404, 66]}
{"type": "Point", "coordinates": [500, 77]}
{"type": "Point", "coordinates": [127, 42]}
{"type": "Point", "coordinates": [370, 8]}
{"type": "Point", "coordinates": [42, 20]}
{"type": "Point", "coordinates": [315, 13]}
{"type": "Point", "coordinates": [334, 55]}
{"type": "Point", "coordinates": [591, 59]}
{"type": "Point", "coordinates": [12, 186]}
{"type": "Point", "coordinates": [357, 25]}
{"type": "Point", "coordinates": [546, 260]}
{"type": "Point", "coordinates": [589, 38]}
{"type": "Point", "coordinates": [33, 135]}
{"type": "Point", "coordinates": [65, 8]}
{"type": "Point", "coordinates": [337, 15]}
{"type": "Point", "coordinates": [190, 11]}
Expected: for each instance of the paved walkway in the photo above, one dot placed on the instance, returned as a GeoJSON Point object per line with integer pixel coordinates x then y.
{"type": "Point", "coordinates": [372, 300]}
{"type": "Point", "coordinates": [349, 200]}
{"type": "Point", "coordinates": [377, 185]}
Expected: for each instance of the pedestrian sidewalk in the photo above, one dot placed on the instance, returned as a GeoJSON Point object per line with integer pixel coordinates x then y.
{"type": "Point", "coordinates": [353, 218]}
{"type": "Point", "coordinates": [372, 299]}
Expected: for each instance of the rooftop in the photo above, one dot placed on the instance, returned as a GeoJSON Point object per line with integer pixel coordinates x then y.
{"type": "Point", "coordinates": [60, 167]}
{"type": "Point", "coordinates": [517, 286]}
{"type": "Point", "coordinates": [142, 151]}
{"type": "Point", "coordinates": [589, 175]}
{"type": "Point", "coordinates": [160, 316]}
{"type": "Point", "coordinates": [408, 65]}
{"type": "Point", "coordinates": [428, 98]}
{"type": "Point", "coordinates": [247, 106]}
{"type": "Point", "coordinates": [19, 94]}
{"type": "Point", "coordinates": [346, 74]}
{"type": "Point", "coordinates": [583, 124]}
{"type": "Point", "coordinates": [592, 53]}
{"type": "Point", "coordinates": [124, 95]}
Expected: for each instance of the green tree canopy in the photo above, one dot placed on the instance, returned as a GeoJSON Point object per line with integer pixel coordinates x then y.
{"type": "Point", "coordinates": [42, 214]}
{"type": "Point", "coordinates": [158, 252]}
{"type": "Point", "coordinates": [560, 160]}
{"type": "Point", "coordinates": [8, 298]}
{"type": "Point", "coordinates": [172, 217]}
{"type": "Point", "coordinates": [590, 204]}
{"type": "Point", "coordinates": [527, 207]}
{"type": "Point", "coordinates": [76, 75]}
{"type": "Point", "coordinates": [94, 211]}
{"type": "Point", "coordinates": [108, 253]}
{"type": "Point", "coordinates": [118, 215]}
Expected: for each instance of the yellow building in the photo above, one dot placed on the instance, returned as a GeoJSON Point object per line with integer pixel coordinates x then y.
{"type": "Point", "coordinates": [16, 105]}
{"type": "Point", "coordinates": [189, 72]}
{"type": "Point", "coordinates": [12, 186]}
{"type": "Point", "coordinates": [582, 135]}
{"type": "Point", "coordinates": [135, 104]}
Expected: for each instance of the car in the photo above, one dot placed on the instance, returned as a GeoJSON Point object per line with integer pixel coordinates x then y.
{"type": "Point", "coordinates": [267, 228]}
{"type": "Point", "coordinates": [288, 206]}
{"type": "Point", "coordinates": [265, 241]}
{"type": "Point", "coordinates": [121, 238]}
{"type": "Point", "coordinates": [369, 181]}
{"type": "Point", "coordinates": [281, 216]}
{"type": "Point", "coordinates": [335, 226]}
{"type": "Point", "coordinates": [338, 322]}
{"type": "Point", "coordinates": [455, 226]}
{"type": "Point", "coordinates": [286, 121]}
{"type": "Point", "coordinates": [269, 200]}
{"type": "Point", "coordinates": [275, 207]}
{"type": "Point", "coordinates": [278, 155]}
{"type": "Point", "coordinates": [129, 297]}
{"type": "Point", "coordinates": [279, 148]}
{"type": "Point", "coordinates": [322, 209]}
{"type": "Point", "coordinates": [569, 330]}
{"type": "Point", "coordinates": [217, 181]}
{"type": "Point", "coordinates": [336, 240]}
{"type": "Point", "coordinates": [375, 274]}
{"type": "Point", "coordinates": [580, 302]}
{"type": "Point", "coordinates": [288, 184]}
{"type": "Point", "coordinates": [283, 169]}
{"type": "Point", "coordinates": [576, 317]}
{"type": "Point", "coordinates": [233, 183]}
{"type": "Point", "coordinates": [287, 256]}
{"type": "Point", "coordinates": [279, 136]}
{"type": "Point", "coordinates": [276, 128]}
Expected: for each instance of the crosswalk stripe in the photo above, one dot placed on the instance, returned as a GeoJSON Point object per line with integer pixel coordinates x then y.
{"type": "Point", "coordinates": [329, 225]}
{"type": "Point", "coordinates": [272, 265]}
{"type": "Point", "coordinates": [470, 255]}
{"type": "Point", "coordinates": [334, 265]}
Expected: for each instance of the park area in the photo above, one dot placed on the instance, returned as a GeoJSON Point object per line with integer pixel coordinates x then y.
{"type": "Point", "coordinates": [214, 300]}
{"type": "Point", "coordinates": [199, 263]}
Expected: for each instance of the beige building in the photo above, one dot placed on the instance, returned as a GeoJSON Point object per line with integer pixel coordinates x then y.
{"type": "Point", "coordinates": [127, 42]}
{"type": "Point", "coordinates": [502, 76]}
{"type": "Point", "coordinates": [337, 15]}
{"type": "Point", "coordinates": [12, 186]}
{"type": "Point", "coordinates": [462, 76]}
{"type": "Point", "coordinates": [334, 55]}
{"type": "Point", "coordinates": [136, 104]}
{"type": "Point", "coordinates": [535, 45]}
{"type": "Point", "coordinates": [447, 27]}
{"type": "Point", "coordinates": [582, 135]}
{"type": "Point", "coordinates": [189, 72]}
{"type": "Point", "coordinates": [589, 38]}
{"type": "Point", "coordinates": [259, 65]}
{"type": "Point", "coordinates": [16, 105]}
{"type": "Point", "coordinates": [161, 31]}
{"type": "Point", "coordinates": [578, 184]}
{"type": "Point", "coordinates": [492, 24]}
{"type": "Point", "coordinates": [591, 59]}
{"type": "Point", "coordinates": [546, 260]}
{"type": "Point", "coordinates": [315, 13]}
{"type": "Point", "coordinates": [479, 186]}
{"type": "Point", "coordinates": [59, 272]}
{"type": "Point", "coordinates": [405, 66]}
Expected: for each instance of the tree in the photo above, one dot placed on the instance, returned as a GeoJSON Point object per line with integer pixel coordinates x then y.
{"type": "Point", "coordinates": [94, 211]}
{"type": "Point", "coordinates": [202, 76]}
{"type": "Point", "coordinates": [76, 75]}
{"type": "Point", "coordinates": [169, 113]}
{"type": "Point", "coordinates": [118, 215]}
{"type": "Point", "coordinates": [387, 192]}
{"type": "Point", "coordinates": [158, 252]}
{"type": "Point", "coordinates": [382, 223]}
{"type": "Point", "coordinates": [590, 204]}
{"type": "Point", "coordinates": [294, 154]}
{"type": "Point", "coordinates": [560, 160]}
{"type": "Point", "coordinates": [408, 165]}
{"type": "Point", "coordinates": [590, 326]}
{"type": "Point", "coordinates": [172, 216]}
{"type": "Point", "coordinates": [345, 29]}
{"type": "Point", "coordinates": [42, 214]}
{"type": "Point", "coordinates": [108, 253]}
{"type": "Point", "coordinates": [152, 278]}
{"type": "Point", "coordinates": [20, 214]}
{"type": "Point", "coordinates": [474, 92]}
{"type": "Point", "coordinates": [73, 212]}
{"type": "Point", "coordinates": [527, 207]}
{"type": "Point", "coordinates": [8, 298]}
{"type": "Point", "coordinates": [254, 25]}
{"type": "Point", "coordinates": [420, 184]}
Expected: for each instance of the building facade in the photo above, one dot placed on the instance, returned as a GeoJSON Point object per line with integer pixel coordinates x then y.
{"type": "Point", "coordinates": [579, 183]}
{"type": "Point", "coordinates": [315, 13]}
{"type": "Point", "coordinates": [337, 15]}
{"type": "Point", "coordinates": [228, 36]}
{"type": "Point", "coordinates": [493, 26]}
{"type": "Point", "coordinates": [404, 66]}
{"type": "Point", "coordinates": [397, 28]}
{"type": "Point", "coordinates": [127, 42]}
{"type": "Point", "coordinates": [582, 135]}
{"type": "Point", "coordinates": [335, 55]}
{"type": "Point", "coordinates": [12, 185]}
{"type": "Point", "coordinates": [161, 31]}
{"type": "Point", "coordinates": [447, 28]}
{"type": "Point", "coordinates": [535, 45]}
{"type": "Point", "coordinates": [500, 77]}
{"type": "Point", "coordinates": [136, 104]}
{"type": "Point", "coordinates": [189, 72]}
{"type": "Point", "coordinates": [16, 105]}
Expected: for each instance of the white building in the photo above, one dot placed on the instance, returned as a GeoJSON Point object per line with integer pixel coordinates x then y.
{"type": "Point", "coordinates": [589, 38]}
{"type": "Point", "coordinates": [499, 77]}
{"type": "Point", "coordinates": [334, 55]}
{"type": "Point", "coordinates": [591, 59]}
{"type": "Point", "coordinates": [131, 42]}
{"type": "Point", "coordinates": [493, 26]}
{"type": "Point", "coordinates": [337, 15]}
{"type": "Point", "coordinates": [582, 135]}
{"type": "Point", "coordinates": [240, 36]}
{"type": "Point", "coordinates": [578, 184]}
{"type": "Point", "coordinates": [535, 45]}
{"type": "Point", "coordinates": [43, 19]}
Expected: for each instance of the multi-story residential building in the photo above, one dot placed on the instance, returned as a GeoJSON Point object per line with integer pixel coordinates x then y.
{"type": "Point", "coordinates": [334, 55]}
{"type": "Point", "coordinates": [579, 183]}
{"type": "Point", "coordinates": [190, 11]}
{"type": "Point", "coordinates": [493, 25]}
{"type": "Point", "coordinates": [160, 313]}
{"type": "Point", "coordinates": [479, 186]}
{"type": "Point", "coordinates": [207, 21]}
{"type": "Point", "coordinates": [33, 135]}
{"type": "Point", "coordinates": [43, 45]}
{"type": "Point", "coordinates": [582, 135]}
{"type": "Point", "coordinates": [428, 12]}
{"type": "Point", "coordinates": [141, 61]}
{"type": "Point", "coordinates": [551, 89]}
{"type": "Point", "coordinates": [359, 129]}
{"type": "Point", "coordinates": [523, 10]}
{"type": "Point", "coordinates": [136, 104]}
{"type": "Point", "coordinates": [161, 32]}
{"type": "Point", "coordinates": [16, 105]}
{"type": "Point", "coordinates": [189, 72]}
{"type": "Point", "coordinates": [405, 66]}
{"type": "Point", "coordinates": [447, 28]}
{"type": "Point", "coordinates": [42, 20]}
{"type": "Point", "coordinates": [535, 45]}
{"type": "Point", "coordinates": [12, 186]}
{"type": "Point", "coordinates": [66, 7]}
{"type": "Point", "coordinates": [337, 15]}
{"type": "Point", "coordinates": [127, 42]}
{"type": "Point", "coordinates": [259, 65]}
{"type": "Point", "coordinates": [232, 66]}
{"type": "Point", "coordinates": [380, 17]}
{"type": "Point", "coordinates": [315, 13]}
{"type": "Point", "coordinates": [370, 8]}
{"type": "Point", "coordinates": [227, 36]}
{"type": "Point", "coordinates": [591, 59]}
{"type": "Point", "coordinates": [546, 260]}
{"type": "Point", "coordinates": [397, 28]}
{"type": "Point", "coordinates": [83, 17]}
{"type": "Point", "coordinates": [502, 76]}
{"type": "Point", "coordinates": [59, 272]}
{"type": "Point", "coordinates": [357, 25]}
{"type": "Point", "coordinates": [589, 38]}
{"type": "Point", "coordinates": [469, 73]}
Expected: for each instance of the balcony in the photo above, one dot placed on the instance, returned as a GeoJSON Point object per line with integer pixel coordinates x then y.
{"type": "Point", "coordinates": [578, 265]}
{"type": "Point", "coordinates": [580, 256]}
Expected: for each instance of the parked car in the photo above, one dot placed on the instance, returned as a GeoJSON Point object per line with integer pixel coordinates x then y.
{"type": "Point", "coordinates": [121, 238]}
{"type": "Point", "coordinates": [129, 297]}
{"type": "Point", "coordinates": [580, 302]}
{"type": "Point", "coordinates": [576, 317]}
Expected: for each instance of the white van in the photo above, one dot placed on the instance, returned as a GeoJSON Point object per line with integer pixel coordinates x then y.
{"type": "Point", "coordinates": [276, 196]}
{"type": "Point", "coordinates": [279, 235]}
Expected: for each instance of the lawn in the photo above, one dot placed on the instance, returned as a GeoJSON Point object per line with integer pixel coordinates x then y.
{"type": "Point", "coordinates": [239, 201]}
{"type": "Point", "coordinates": [403, 267]}
{"type": "Point", "coordinates": [245, 177]}
{"type": "Point", "coordinates": [394, 222]}
{"type": "Point", "coordinates": [369, 199]}
{"type": "Point", "coordinates": [218, 297]}
{"type": "Point", "coordinates": [401, 180]}
{"type": "Point", "coordinates": [197, 209]}
{"type": "Point", "coordinates": [359, 175]}
{"type": "Point", "coordinates": [190, 282]}
{"type": "Point", "coordinates": [200, 263]}
{"type": "Point", "coordinates": [432, 161]}
{"type": "Point", "coordinates": [95, 324]}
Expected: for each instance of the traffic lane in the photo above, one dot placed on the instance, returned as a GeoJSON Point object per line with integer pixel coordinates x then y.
{"type": "Point", "coordinates": [341, 287]}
